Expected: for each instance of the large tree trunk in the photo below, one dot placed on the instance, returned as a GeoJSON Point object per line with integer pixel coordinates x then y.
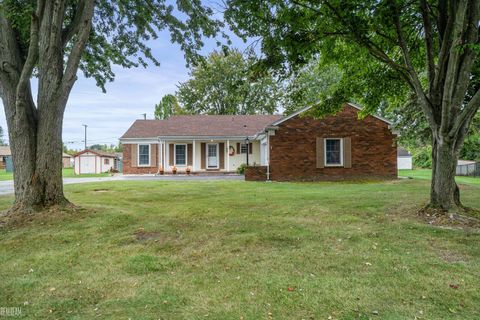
{"type": "Point", "coordinates": [36, 146]}
{"type": "Point", "coordinates": [444, 192]}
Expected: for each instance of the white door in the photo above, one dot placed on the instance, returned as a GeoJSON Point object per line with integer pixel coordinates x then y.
{"type": "Point", "coordinates": [87, 164]}
{"type": "Point", "coordinates": [212, 155]}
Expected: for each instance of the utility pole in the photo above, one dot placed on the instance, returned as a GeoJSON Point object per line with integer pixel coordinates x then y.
{"type": "Point", "coordinates": [85, 135]}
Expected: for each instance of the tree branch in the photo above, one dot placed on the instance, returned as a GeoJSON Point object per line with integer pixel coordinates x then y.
{"type": "Point", "coordinates": [427, 26]}
{"type": "Point", "coordinates": [32, 56]}
{"type": "Point", "coordinates": [424, 101]}
{"type": "Point", "coordinates": [83, 34]}
{"type": "Point", "coordinates": [74, 25]}
{"type": "Point", "coordinates": [453, 65]}
{"type": "Point", "coordinates": [467, 114]}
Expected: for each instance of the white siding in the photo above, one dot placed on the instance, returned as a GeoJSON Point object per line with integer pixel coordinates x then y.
{"type": "Point", "coordinates": [404, 163]}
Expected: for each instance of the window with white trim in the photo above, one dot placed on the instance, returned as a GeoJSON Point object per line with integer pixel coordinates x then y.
{"type": "Point", "coordinates": [143, 154]}
{"type": "Point", "coordinates": [333, 152]}
{"type": "Point", "coordinates": [180, 154]}
{"type": "Point", "coordinates": [243, 148]}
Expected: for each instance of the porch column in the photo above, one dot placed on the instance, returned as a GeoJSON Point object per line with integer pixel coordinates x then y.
{"type": "Point", "coordinates": [228, 156]}
{"type": "Point", "coordinates": [193, 155]}
{"type": "Point", "coordinates": [160, 157]}
{"type": "Point", "coordinates": [164, 156]}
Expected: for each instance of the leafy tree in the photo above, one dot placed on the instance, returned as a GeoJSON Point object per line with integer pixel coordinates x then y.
{"type": "Point", "coordinates": [385, 49]}
{"type": "Point", "coordinates": [107, 148]}
{"type": "Point", "coordinates": [311, 84]}
{"type": "Point", "coordinates": [2, 138]}
{"type": "Point", "coordinates": [167, 107]}
{"type": "Point", "coordinates": [228, 83]}
{"type": "Point", "coordinates": [52, 40]}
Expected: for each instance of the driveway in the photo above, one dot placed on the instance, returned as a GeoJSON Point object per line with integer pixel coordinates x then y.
{"type": "Point", "coordinates": [6, 187]}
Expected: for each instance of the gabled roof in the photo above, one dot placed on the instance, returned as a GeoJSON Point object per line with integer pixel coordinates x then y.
{"type": "Point", "coordinates": [200, 125]}
{"type": "Point", "coordinates": [309, 107]}
{"type": "Point", "coordinates": [97, 152]}
{"type": "Point", "coordinates": [401, 152]}
{"type": "Point", "coordinates": [5, 151]}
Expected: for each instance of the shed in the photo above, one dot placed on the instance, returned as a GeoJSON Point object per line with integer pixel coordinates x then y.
{"type": "Point", "coordinates": [93, 162]}
{"type": "Point", "coordinates": [404, 159]}
{"type": "Point", "coordinates": [67, 160]}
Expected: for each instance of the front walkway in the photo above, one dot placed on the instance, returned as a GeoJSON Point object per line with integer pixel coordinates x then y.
{"type": "Point", "coordinates": [6, 187]}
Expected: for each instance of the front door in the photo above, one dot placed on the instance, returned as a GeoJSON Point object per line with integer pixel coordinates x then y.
{"type": "Point", "coordinates": [212, 155]}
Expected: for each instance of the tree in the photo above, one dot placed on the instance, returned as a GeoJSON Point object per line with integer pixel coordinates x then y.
{"type": "Point", "coordinates": [385, 49]}
{"type": "Point", "coordinates": [168, 107]}
{"type": "Point", "coordinates": [228, 83]}
{"type": "Point", "coordinates": [2, 138]}
{"type": "Point", "coordinates": [52, 40]}
{"type": "Point", "coordinates": [310, 84]}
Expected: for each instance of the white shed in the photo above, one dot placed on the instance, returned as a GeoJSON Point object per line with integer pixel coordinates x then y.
{"type": "Point", "coordinates": [404, 159]}
{"type": "Point", "coordinates": [93, 162]}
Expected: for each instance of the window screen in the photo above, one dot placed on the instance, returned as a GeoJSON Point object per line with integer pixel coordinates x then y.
{"type": "Point", "coordinates": [144, 154]}
{"type": "Point", "coordinates": [333, 152]}
{"type": "Point", "coordinates": [180, 154]}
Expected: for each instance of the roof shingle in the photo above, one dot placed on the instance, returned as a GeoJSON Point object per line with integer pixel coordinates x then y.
{"type": "Point", "coordinates": [201, 125]}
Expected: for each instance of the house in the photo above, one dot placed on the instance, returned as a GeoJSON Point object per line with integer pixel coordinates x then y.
{"type": "Point", "coordinates": [66, 160]}
{"type": "Point", "coordinates": [93, 161]}
{"type": "Point", "coordinates": [404, 159]}
{"type": "Point", "coordinates": [296, 147]}
{"type": "Point", "coordinates": [4, 153]}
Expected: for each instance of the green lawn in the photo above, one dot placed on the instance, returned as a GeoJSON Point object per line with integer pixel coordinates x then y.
{"type": "Point", "coordinates": [67, 173]}
{"type": "Point", "coordinates": [240, 250]}
{"type": "Point", "coordinates": [427, 174]}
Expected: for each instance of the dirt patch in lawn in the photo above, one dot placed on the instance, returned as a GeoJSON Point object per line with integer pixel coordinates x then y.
{"type": "Point", "coordinates": [101, 190]}
{"type": "Point", "coordinates": [50, 216]}
{"type": "Point", "coordinates": [465, 218]}
{"type": "Point", "coordinates": [142, 235]}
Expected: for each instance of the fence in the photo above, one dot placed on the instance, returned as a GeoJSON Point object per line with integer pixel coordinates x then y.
{"type": "Point", "coordinates": [472, 170]}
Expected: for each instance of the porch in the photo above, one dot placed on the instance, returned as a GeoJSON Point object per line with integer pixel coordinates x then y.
{"type": "Point", "coordinates": [207, 155]}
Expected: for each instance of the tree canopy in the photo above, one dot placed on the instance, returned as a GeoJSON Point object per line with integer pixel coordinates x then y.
{"type": "Point", "coordinates": [227, 82]}
{"type": "Point", "coordinates": [168, 107]}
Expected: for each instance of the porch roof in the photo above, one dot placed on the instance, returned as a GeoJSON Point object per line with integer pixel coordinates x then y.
{"type": "Point", "coordinates": [201, 126]}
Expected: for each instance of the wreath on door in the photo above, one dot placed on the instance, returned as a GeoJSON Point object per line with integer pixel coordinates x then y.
{"type": "Point", "coordinates": [231, 151]}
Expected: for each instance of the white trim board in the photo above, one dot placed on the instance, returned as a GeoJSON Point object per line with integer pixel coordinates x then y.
{"type": "Point", "coordinates": [309, 107]}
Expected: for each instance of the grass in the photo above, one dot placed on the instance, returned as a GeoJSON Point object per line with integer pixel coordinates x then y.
{"type": "Point", "coordinates": [427, 175]}
{"type": "Point", "coordinates": [239, 250]}
{"type": "Point", "coordinates": [67, 173]}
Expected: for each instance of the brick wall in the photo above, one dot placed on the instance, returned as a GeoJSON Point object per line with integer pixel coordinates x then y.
{"type": "Point", "coordinates": [127, 161]}
{"type": "Point", "coordinates": [293, 148]}
{"type": "Point", "coordinates": [256, 173]}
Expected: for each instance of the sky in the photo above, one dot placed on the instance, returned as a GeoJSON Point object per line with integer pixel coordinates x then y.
{"type": "Point", "coordinates": [133, 93]}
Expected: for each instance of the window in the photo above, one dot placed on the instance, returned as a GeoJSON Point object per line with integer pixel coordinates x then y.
{"type": "Point", "coordinates": [333, 152]}
{"type": "Point", "coordinates": [143, 154]}
{"type": "Point", "coordinates": [180, 154]}
{"type": "Point", "coordinates": [106, 161]}
{"type": "Point", "coordinates": [243, 148]}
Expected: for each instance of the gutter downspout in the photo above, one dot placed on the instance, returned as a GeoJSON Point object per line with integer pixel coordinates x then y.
{"type": "Point", "coordinates": [268, 156]}
{"type": "Point", "coordinates": [159, 155]}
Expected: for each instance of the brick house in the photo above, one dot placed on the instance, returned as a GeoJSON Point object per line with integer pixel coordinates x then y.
{"type": "Point", "coordinates": [296, 147]}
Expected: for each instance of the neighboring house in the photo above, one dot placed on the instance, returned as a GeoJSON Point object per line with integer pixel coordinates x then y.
{"type": "Point", "coordinates": [4, 153]}
{"type": "Point", "coordinates": [295, 147]}
{"type": "Point", "coordinates": [67, 160]}
{"type": "Point", "coordinates": [93, 161]}
{"type": "Point", "coordinates": [404, 159]}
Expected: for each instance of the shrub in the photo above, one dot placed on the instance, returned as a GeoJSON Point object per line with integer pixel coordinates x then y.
{"type": "Point", "coordinates": [241, 168]}
{"type": "Point", "coordinates": [422, 157]}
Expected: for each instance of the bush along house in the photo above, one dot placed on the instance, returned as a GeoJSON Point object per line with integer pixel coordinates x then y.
{"type": "Point", "coordinates": [292, 148]}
